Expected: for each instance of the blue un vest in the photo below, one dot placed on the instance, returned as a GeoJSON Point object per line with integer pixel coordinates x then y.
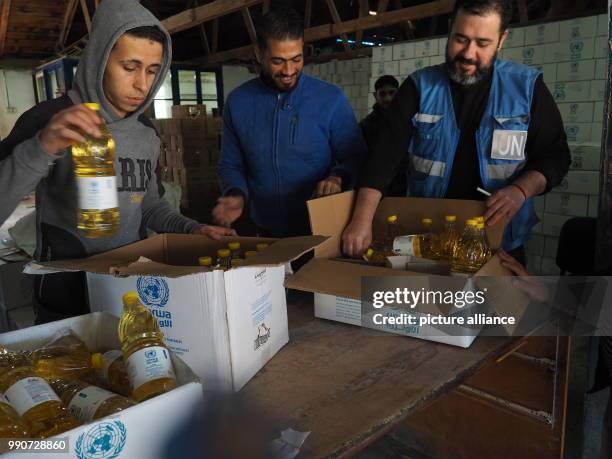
{"type": "Point", "coordinates": [432, 147]}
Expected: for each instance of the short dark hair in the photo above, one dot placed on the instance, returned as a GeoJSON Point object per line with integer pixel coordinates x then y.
{"type": "Point", "coordinates": [149, 32]}
{"type": "Point", "coordinates": [386, 80]}
{"type": "Point", "coordinates": [279, 23]}
{"type": "Point", "coordinates": [504, 8]}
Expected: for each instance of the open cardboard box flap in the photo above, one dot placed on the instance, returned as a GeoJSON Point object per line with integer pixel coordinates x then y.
{"type": "Point", "coordinates": [316, 277]}
{"type": "Point", "coordinates": [176, 255]}
{"type": "Point", "coordinates": [330, 215]}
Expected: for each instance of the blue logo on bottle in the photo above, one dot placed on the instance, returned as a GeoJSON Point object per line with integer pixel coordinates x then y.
{"type": "Point", "coordinates": [153, 291]}
{"type": "Point", "coordinates": [105, 440]}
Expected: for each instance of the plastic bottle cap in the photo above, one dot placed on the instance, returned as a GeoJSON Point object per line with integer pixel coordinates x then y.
{"type": "Point", "coordinates": [234, 245]}
{"type": "Point", "coordinates": [427, 221]}
{"type": "Point", "coordinates": [131, 298]}
{"type": "Point", "coordinates": [470, 222]}
{"type": "Point", "coordinates": [480, 225]}
{"type": "Point", "coordinates": [479, 219]}
{"type": "Point", "coordinates": [391, 218]}
{"type": "Point", "coordinates": [369, 252]}
{"type": "Point", "coordinates": [223, 253]}
{"type": "Point", "coordinates": [451, 218]}
{"type": "Point", "coordinates": [261, 246]}
{"type": "Point", "coordinates": [92, 106]}
{"type": "Point", "coordinates": [97, 360]}
{"type": "Point", "coordinates": [205, 261]}
{"type": "Point", "coordinates": [250, 253]}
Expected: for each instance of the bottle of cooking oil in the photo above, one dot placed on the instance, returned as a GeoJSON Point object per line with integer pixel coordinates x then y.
{"type": "Point", "coordinates": [236, 251]}
{"type": "Point", "coordinates": [32, 397]}
{"type": "Point", "coordinates": [88, 403]}
{"type": "Point", "coordinates": [237, 262]}
{"type": "Point", "coordinates": [205, 261]}
{"type": "Point", "coordinates": [423, 245]}
{"type": "Point", "coordinates": [484, 250]}
{"type": "Point", "coordinates": [98, 213]}
{"type": "Point", "coordinates": [382, 248]}
{"type": "Point", "coordinates": [224, 257]}
{"type": "Point", "coordinates": [262, 246]}
{"type": "Point", "coordinates": [448, 237]}
{"type": "Point", "coordinates": [466, 254]}
{"type": "Point", "coordinates": [11, 425]}
{"type": "Point", "coordinates": [147, 359]}
{"type": "Point", "coordinates": [111, 371]}
{"type": "Point", "coordinates": [250, 253]}
{"type": "Point", "coordinates": [64, 357]}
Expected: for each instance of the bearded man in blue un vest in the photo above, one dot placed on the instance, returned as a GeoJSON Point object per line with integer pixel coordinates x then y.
{"type": "Point", "coordinates": [471, 122]}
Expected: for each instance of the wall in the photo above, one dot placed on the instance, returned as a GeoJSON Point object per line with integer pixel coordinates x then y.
{"type": "Point", "coordinates": [234, 76]}
{"type": "Point", "coordinates": [20, 96]}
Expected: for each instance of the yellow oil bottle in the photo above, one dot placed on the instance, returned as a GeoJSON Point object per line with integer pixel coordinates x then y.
{"type": "Point", "coordinates": [87, 402]}
{"type": "Point", "coordinates": [98, 212]}
{"type": "Point", "coordinates": [466, 257]}
{"type": "Point", "coordinates": [32, 397]}
{"type": "Point", "coordinates": [11, 425]}
{"type": "Point", "coordinates": [205, 261]}
{"type": "Point", "coordinates": [423, 245]}
{"type": "Point", "coordinates": [235, 249]}
{"type": "Point", "coordinates": [111, 371]}
{"type": "Point", "coordinates": [64, 357]}
{"type": "Point", "coordinates": [382, 248]}
{"type": "Point", "coordinates": [150, 369]}
{"type": "Point", "coordinates": [448, 237]}
{"type": "Point", "coordinates": [224, 257]}
{"type": "Point", "coordinates": [237, 262]}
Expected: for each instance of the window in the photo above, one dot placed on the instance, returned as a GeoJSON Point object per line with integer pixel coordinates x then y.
{"type": "Point", "coordinates": [208, 86]}
{"type": "Point", "coordinates": [163, 99]}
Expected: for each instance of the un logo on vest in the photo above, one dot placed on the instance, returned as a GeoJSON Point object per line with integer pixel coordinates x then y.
{"type": "Point", "coordinates": [105, 440]}
{"type": "Point", "coordinates": [153, 291]}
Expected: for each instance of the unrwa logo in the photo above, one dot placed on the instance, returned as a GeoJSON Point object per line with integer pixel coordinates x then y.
{"type": "Point", "coordinates": [263, 335]}
{"type": "Point", "coordinates": [105, 440]}
{"type": "Point", "coordinates": [153, 291]}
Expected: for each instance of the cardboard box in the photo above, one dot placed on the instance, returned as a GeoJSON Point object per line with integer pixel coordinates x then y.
{"type": "Point", "coordinates": [549, 72]}
{"type": "Point", "coordinates": [539, 227]}
{"type": "Point", "coordinates": [534, 264]}
{"type": "Point", "coordinates": [569, 50]}
{"type": "Point", "coordinates": [602, 25]}
{"type": "Point", "coordinates": [577, 91]}
{"type": "Point", "coordinates": [392, 68]}
{"type": "Point", "coordinates": [188, 111]}
{"type": "Point", "coordinates": [552, 224]}
{"type": "Point", "coordinates": [337, 284]}
{"type": "Point", "coordinates": [585, 156]}
{"type": "Point", "coordinates": [542, 33]}
{"type": "Point", "coordinates": [578, 28]}
{"type": "Point", "coordinates": [576, 70]}
{"type": "Point", "coordinates": [597, 91]}
{"type": "Point", "coordinates": [382, 53]}
{"type": "Point", "coordinates": [437, 60]}
{"type": "Point", "coordinates": [567, 204]}
{"type": "Point", "coordinates": [601, 69]}
{"type": "Point", "coordinates": [596, 132]}
{"type": "Point", "coordinates": [577, 112]}
{"type": "Point", "coordinates": [539, 204]}
{"type": "Point", "coordinates": [601, 48]}
{"type": "Point", "coordinates": [516, 38]}
{"type": "Point", "coordinates": [598, 112]}
{"type": "Point", "coordinates": [535, 245]}
{"type": "Point", "coordinates": [578, 132]}
{"type": "Point", "coordinates": [442, 42]}
{"type": "Point", "coordinates": [224, 325]}
{"type": "Point", "coordinates": [579, 182]}
{"type": "Point", "coordinates": [551, 244]}
{"type": "Point", "coordinates": [378, 70]}
{"type": "Point", "coordinates": [593, 206]}
{"type": "Point", "coordinates": [528, 55]}
{"type": "Point", "coordinates": [426, 48]}
{"type": "Point", "coordinates": [140, 431]}
{"type": "Point", "coordinates": [403, 51]}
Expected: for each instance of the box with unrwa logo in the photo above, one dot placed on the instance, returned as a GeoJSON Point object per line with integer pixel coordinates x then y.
{"type": "Point", "coordinates": [140, 431]}
{"type": "Point", "coordinates": [224, 324]}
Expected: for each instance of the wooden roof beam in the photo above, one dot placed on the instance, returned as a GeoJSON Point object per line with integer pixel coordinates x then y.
{"type": "Point", "coordinates": [196, 16]}
{"type": "Point", "coordinates": [4, 18]}
{"type": "Point", "coordinates": [86, 15]}
{"type": "Point", "coordinates": [331, 5]}
{"type": "Point", "coordinates": [71, 7]}
{"type": "Point", "coordinates": [248, 21]}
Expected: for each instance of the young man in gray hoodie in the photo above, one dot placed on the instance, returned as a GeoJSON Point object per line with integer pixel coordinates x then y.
{"type": "Point", "coordinates": [126, 60]}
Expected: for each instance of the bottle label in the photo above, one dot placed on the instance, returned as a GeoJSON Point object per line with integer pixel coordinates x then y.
{"type": "Point", "coordinates": [97, 193]}
{"type": "Point", "coordinates": [407, 245]}
{"type": "Point", "coordinates": [109, 358]}
{"type": "Point", "coordinates": [86, 402]}
{"type": "Point", "coordinates": [149, 364]}
{"type": "Point", "coordinates": [29, 392]}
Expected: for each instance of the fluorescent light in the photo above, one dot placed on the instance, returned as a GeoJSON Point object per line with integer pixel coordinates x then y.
{"type": "Point", "coordinates": [373, 13]}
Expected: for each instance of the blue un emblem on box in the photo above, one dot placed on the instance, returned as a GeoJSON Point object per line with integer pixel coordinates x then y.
{"type": "Point", "coordinates": [153, 291]}
{"type": "Point", "coordinates": [105, 440]}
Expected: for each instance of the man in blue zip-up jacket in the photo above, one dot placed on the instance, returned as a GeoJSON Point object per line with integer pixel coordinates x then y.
{"type": "Point", "coordinates": [287, 137]}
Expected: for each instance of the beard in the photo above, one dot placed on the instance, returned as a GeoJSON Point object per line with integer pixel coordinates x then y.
{"type": "Point", "coordinates": [481, 73]}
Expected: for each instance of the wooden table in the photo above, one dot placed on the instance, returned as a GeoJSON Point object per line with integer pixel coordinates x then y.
{"type": "Point", "coordinates": [348, 386]}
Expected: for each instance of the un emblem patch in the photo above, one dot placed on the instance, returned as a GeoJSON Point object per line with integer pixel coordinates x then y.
{"type": "Point", "coordinates": [153, 291]}
{"type": "Point", "coordinates": [105, 440]}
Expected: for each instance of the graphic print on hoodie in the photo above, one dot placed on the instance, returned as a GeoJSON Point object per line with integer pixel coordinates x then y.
{"type": "Point", "coordinates": [25, 166]}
